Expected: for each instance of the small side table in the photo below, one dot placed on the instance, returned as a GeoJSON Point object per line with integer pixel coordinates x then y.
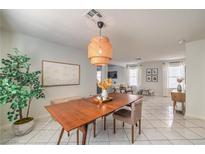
{"type": "Point", "coordinates": [178, 97]}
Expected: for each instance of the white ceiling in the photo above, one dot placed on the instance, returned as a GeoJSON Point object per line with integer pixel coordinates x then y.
{"type": "Point", "coordinates": [149, 34]}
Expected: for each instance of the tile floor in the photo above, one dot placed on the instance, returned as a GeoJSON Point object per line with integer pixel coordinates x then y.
{"type": "Point", "coordinates": [159, 127]}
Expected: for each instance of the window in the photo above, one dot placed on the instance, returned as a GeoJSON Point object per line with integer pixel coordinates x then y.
{"type": "Point", "coordinates": [133, 76]}
{"type": "Point", "coordinates": [174, 72]}
{"type": "Point", "coordinates": [99, 75]}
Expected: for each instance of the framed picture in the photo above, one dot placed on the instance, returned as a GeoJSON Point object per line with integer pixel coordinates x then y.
{"type": "Point", "coordinates": [154, 78]}
{"type": "Point", "coordinates": [148, 78]}
{"type": "Point", "coordinates": [148, 71]}
{"type": "Point", "coordinates": [112, 74]}
{"type": "Point", "coordinates": [60, 74]}
{"type": "Point", "coordinates": [155, 71]}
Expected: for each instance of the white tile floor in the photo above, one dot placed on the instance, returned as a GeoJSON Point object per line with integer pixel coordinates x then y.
{"type": "Point", "coordinates": [159, 126]}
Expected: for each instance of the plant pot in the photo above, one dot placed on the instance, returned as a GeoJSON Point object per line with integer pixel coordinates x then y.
{"type": "Point", "coordinates": [23, 126]}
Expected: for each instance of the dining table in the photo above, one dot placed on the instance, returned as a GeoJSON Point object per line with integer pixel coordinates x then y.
{"type": "Point", "coordinates": [80, 112]}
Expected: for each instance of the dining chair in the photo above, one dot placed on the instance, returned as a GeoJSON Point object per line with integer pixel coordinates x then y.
{"type": "Point", "coordinates": [130, 116]}
{"type": "Point", "coordinates": [64, 100]}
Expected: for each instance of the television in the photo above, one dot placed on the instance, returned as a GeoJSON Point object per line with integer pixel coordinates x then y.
{"type": "Point", "coordinates": [112, 74]}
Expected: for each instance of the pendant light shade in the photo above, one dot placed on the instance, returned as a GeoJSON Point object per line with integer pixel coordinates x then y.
{"type": "Point", "coordinates": [100, 50]}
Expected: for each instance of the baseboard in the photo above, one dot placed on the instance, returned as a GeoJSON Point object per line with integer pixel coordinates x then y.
{"type": "Point", "coordinates": [195, 117]}
{"type": "Point", "coordinates": [42, 117]}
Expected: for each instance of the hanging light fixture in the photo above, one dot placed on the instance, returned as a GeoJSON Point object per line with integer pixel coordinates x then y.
{"type": "Point", "coordinates": [100, 49]}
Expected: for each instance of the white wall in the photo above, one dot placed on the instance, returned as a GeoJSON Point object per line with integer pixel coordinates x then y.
{"type": "Point", "coordinates": [195, 75]}
{"type": "Point", "coordinates": [121, 73]}
{"type": "Point", "coordinates": [156, 86]}
{"type": "Point", "coordinates": [1, 110]}
{"type": "Point", "coordinates": [40, 50]}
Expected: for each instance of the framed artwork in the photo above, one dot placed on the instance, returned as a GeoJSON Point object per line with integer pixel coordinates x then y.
{"type": "Point", "coordinates": [155, 71]}
{"type": "Point", "coordinates": [60, 74]}
{"type": "Point", "coordinates": [112, 74]}
{"type": "Point", "coordinates": [148, 71]}
{"type": "Point", "coordinates": [154, 78]}
{"type": "Point", "coordinates": [148, 78]}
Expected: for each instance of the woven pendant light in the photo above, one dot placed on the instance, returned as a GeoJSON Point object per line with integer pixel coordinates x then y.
{"type": "Point", "coordinates": [100, 49]}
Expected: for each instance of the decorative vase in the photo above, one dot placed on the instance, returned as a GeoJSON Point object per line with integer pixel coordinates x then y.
{"type": "Point", "coordinates": [179, 88]}
{"type": "Point", "coordinates": [23, 128]}
{"type": "Point", "coordinates": [104, 94]}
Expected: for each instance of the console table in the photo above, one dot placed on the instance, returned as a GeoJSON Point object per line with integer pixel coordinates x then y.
{"type": "Point", "coordinates": [178, 97]}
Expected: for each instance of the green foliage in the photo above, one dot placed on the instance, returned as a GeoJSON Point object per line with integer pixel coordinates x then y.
{"type": "Point", "coordinates": [18, 85]}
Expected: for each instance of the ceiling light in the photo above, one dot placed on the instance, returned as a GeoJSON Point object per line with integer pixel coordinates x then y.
{"type": "Point", "coordinates": [100, 49]}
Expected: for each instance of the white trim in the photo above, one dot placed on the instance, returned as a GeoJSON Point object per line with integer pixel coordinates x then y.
{"type": "Point", "coordinates": [195, 117]}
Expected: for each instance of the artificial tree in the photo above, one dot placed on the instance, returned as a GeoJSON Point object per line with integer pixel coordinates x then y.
{"type": "Point", "coordinates": [18, 86]}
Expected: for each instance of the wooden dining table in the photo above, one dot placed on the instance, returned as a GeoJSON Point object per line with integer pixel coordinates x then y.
{"type": "Point", "coordinates": [79, 113]}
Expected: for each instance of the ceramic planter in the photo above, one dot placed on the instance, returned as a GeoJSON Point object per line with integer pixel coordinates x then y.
{"type": "Point", "coordinates": [21, 128]}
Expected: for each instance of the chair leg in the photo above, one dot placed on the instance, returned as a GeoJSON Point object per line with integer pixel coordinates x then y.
{"type": "Point", "coordinates": [68, 134]}
{"type": "Point", "coordinates": [114, 126]}
{"type": "Point", "coordinates": [140, 126]}
{"type": "Point", "coordinates": [133, 131]}
{"type": "Point", "coordinates": [104, 122]}
{"type": "Point", "coordinates": [77, 136]}
{"type": "Point", "coordinates": [123, 124]}
{"type": "Point", "coordinates": [94, 128]}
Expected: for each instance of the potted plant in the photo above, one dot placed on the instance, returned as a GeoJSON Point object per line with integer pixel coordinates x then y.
{"type": "Point", "coordinates": [18, 86]}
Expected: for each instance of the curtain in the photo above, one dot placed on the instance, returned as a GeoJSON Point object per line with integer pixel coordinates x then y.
{"type": "Point", "coordinates": [165, 77]}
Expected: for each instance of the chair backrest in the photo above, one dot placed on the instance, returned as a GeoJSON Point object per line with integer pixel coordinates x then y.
{"type": "Point", "coordinates": [64, 100]}
{"type": "Point", "coordinates": [136, 111]}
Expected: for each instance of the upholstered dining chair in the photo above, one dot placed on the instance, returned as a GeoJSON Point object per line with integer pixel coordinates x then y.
{"type": "Point", "coordinates": [64, 100]}
{"type": "Point", "coordinates": [130, 116]}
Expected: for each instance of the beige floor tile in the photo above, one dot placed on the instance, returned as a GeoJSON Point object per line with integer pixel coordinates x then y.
{"type": "Point", "coordinates": [142, 143]}
{"type": "Point", "coordinates": [198, 142]}
{"type": "Point", "coordinates": [99, 143]}
{"type": "Point", "coordinates": [199, 131]}
{"type": "Point", "coordinates": [188, 134]}
{"type": "Point", "coordinates": [138, 136]}
{"type": "Point", "coordinates": [101, 136]}
{"type": "Point", "coordinates": [180, 142]}
{"type": "Point", "coordinates": [158, 123]}
{"type": "Point", "coordinates": [120, 143]}
{"type": "Point", "coordinates": [25, 138]}
{"type": "Point", "coordinates": [120, 135]}
{"type": "Point", "coordinates": [160, 142]}
{"type": "Point", "coordinates": [43, 136]}
{"type": "Point", "coordinates": [153, 134]}
{"type": "Point", "coordinates": [170, 133]}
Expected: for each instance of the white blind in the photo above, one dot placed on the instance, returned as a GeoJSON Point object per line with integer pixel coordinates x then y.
{"type": "Point", "coordinates": [133, 76]}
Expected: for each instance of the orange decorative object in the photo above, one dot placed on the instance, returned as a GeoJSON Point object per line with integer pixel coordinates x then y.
{"type": "Point", "coordinates": [100, 51]}
{"type": "Point", "coordinates": [104, 85]}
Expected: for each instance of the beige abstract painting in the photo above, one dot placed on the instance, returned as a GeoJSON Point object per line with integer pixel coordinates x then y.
{"type": "Point", "coordinates": [60, 74]}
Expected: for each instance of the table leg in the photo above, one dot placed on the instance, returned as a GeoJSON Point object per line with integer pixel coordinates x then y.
{"type": "Point", "coordinates": [77, 136]}
{"type": "Point", "coordinates": [104, 122]}
{"type": "Point", "coordinates": [84, 129]}
{"type": "Point", "coordinates": [174, 105]}
{"type": "Point", "coordinates": [61, 134]}
{"type": "Point", "coordinates": [94, 128]}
